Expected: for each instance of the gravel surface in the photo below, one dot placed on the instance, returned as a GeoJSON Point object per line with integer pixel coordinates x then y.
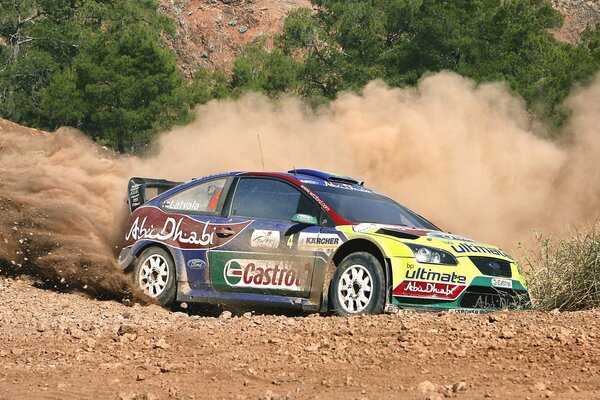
{"type": "Point", "coordinates": [59, 345]}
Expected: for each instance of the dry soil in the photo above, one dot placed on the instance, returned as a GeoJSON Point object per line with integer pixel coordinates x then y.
{"type": "Point", "coordinates": [60, 346]}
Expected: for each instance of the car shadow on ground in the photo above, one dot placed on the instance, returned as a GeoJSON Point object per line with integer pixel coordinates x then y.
{"type": "Point", "coordinates": [217, 310]}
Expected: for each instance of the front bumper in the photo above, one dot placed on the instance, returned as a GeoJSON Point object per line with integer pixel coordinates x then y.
{"type": "Point", "coordinates": [466, 287]}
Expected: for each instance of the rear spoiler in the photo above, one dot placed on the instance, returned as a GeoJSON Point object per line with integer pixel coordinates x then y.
{"type": "Point", "coordinates": [137, 193]}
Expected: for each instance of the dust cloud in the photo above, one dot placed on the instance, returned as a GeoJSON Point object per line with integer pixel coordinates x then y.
{"type": "Point", "coordinates": [467, 157]}
{"type": "Point", "coordinates": [61, 207]}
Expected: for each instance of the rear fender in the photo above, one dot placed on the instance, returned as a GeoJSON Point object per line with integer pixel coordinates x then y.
{"type": "Point", "coordinates": [137, 248]}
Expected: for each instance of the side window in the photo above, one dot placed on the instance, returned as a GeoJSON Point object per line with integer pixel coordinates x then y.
{"type": "Point", "coordinates": [270, 199]}
{"type": "Point", "coordinates": [202, 198]}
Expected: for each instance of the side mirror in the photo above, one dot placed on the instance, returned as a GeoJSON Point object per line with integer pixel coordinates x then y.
{"type": "Point", "coordinates": [305, 219]}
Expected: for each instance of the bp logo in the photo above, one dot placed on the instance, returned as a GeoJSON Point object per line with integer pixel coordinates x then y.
{"type": "Point", "coordinates": [233, 272]}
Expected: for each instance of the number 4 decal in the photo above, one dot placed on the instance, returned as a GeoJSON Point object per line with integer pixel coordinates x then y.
{"type": "Point", "coordinates": [290, 242]}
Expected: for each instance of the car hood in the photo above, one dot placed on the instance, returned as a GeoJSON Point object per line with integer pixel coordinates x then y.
{"type": "Point", "coordinates": [456, 245]}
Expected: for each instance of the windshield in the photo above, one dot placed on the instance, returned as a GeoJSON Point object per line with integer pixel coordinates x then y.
{"type": "Point", "coordinates": [363, 206]}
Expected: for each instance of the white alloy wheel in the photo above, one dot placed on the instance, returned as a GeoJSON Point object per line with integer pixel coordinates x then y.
{"type": "Point", "coordinates": [355, 289]}
{"type": "Point", "coordinates": [153, 275]}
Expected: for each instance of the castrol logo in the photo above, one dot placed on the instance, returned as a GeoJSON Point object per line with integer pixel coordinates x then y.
{"type": "Point", "coordinates": [262, 274]}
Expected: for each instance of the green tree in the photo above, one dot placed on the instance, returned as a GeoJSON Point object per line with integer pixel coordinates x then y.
{"type": "Point", "coordinates": [346, 43]}
{"type": "Point", "coordinates": [260, 70]}
{"type": "Point", "coordinates": [40, 35]}
{"type": "Point", "coordinates": [123, 88]}
{"type": "Point", "coordinates": [96, 65]}
{"type": "Point", "coordinates": [207, 85]}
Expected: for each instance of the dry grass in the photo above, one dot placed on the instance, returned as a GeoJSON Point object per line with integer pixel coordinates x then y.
{"type": "Point", "coordinates": [565, 274]}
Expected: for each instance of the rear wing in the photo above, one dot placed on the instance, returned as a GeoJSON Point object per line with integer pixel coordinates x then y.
{"type": "Point", "coordinates": [140, 190]}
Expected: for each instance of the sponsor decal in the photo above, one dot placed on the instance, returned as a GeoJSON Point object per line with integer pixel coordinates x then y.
{"type": "Point", "coordinates": [196, 264]}
{"type": "Point", "coordinates": [477, 248]}
{"type": "Point", "coordinates": [265, 239]}
{"type": "Point", "coordinates": [347, 186]}
{"type": "Point", "coordinates": [465, 311]}
{"type": "Point", "coordinates": [183, 205]}
{"type": "Point", "coordinates": [427, 274]}
{"type": "Point", "coordinates": [326, 242]}
{"type": "Point", "coordinates": [267, 274]}
{"type": "Point", "coordinates": [429, 290]}
{"type": "Point", "coordinates": [134, 196]}
{"type": "Point", "coordinates": [364, 227]}
{"type": "Point", "coordinates": [315, 198]}
{"type": "Point", "coordinates": [448, 236]}
{"type": "Point", "coordinates": [178, 230]}
{"type": "Point", "coordinates": [503, 283]}
{"type": "Point", "coordinates": [171, 230]}
{"type": "Point", "coordinates": [262, 273]}
{"type": "Point", "coordinates": [309, 181]}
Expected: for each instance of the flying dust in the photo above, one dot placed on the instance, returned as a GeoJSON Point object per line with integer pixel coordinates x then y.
{"type": "Point", "coordinates": [59, 203]}
{"type": "Point", "coordinates": [465, 156]}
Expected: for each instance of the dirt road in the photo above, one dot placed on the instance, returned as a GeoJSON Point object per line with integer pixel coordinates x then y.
{"type": "Point", "coordinates": [60, 346]}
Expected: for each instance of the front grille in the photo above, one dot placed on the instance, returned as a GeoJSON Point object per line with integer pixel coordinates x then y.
{"type": "Point", "coordinates": [483, 297]}
{"type": "Point", "coordinates": [492, 266]}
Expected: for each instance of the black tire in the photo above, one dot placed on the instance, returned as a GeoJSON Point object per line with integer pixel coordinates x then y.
{"type": "Point", "coordinates": [154, 273]}
{"type": "Point", "coordinates": [348, 284]}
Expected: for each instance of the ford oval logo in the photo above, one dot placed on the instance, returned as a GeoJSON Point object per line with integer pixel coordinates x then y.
{"type": "Point", "coordinates": [196, 264]}
{"type": "Point", "coordinates": [494, 265]}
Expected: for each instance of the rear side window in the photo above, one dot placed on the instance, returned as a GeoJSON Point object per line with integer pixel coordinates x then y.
{"type": "Point", "coordinates": [202, 198]}
{"type": "Point", "coordinates": [261, 198]}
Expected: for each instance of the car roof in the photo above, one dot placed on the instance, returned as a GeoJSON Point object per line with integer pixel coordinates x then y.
{"type": "Point", "coordinates": [306, 176]}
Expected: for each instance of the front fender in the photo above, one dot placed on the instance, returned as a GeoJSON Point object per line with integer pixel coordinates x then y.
{"type": "Point", "coordinates": [384, 246]}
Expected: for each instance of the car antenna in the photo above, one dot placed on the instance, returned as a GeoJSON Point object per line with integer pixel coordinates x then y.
{"type": "Point", "coordinates": [262, 159]}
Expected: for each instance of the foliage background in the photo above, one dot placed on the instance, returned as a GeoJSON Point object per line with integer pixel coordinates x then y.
{"type": "Point", "coordinates": [104, 68]}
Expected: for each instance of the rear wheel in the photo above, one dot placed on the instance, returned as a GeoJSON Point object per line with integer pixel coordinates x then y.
{"type": "Point", "coordinates": [358, 286]}
{"type": "Point", "coordinates": [154, 273]}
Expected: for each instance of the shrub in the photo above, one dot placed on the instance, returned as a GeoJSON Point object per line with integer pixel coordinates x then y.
{"type": "Point", "coordinates": [565, 274]}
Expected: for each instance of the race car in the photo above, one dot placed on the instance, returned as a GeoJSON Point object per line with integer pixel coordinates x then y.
{"type": "Point", "coordinates": [305, 239]}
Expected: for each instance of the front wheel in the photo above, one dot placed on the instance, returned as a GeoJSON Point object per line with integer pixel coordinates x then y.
{"type": "Point", "coordinates": [154, 273]}
{"type": "Point", "coordinates": [358, 286]}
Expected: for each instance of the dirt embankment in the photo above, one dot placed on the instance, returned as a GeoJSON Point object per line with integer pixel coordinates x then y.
{"type": "Point", "coordinates": [68, 346]}
{"type": "Point", "coordinates": [210, 33]}
{"type": "Point", "coordinates": [578, 15]}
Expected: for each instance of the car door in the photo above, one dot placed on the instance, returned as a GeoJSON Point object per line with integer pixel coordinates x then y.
{"type": "Point", "coordinates": [266, 258]}
{"type": "Point", "coordinates": [185, 221]}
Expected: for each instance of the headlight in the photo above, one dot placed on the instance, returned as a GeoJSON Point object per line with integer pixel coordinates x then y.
{"type": "Point", "coordinates": [430, 255]}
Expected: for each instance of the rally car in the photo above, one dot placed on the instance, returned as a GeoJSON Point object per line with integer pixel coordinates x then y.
{"type": "Point", "coordinates": [305, 239]}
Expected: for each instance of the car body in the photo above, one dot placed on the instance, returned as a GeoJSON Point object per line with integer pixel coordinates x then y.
{"type": "Point", "coordinates": [305, 239]}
